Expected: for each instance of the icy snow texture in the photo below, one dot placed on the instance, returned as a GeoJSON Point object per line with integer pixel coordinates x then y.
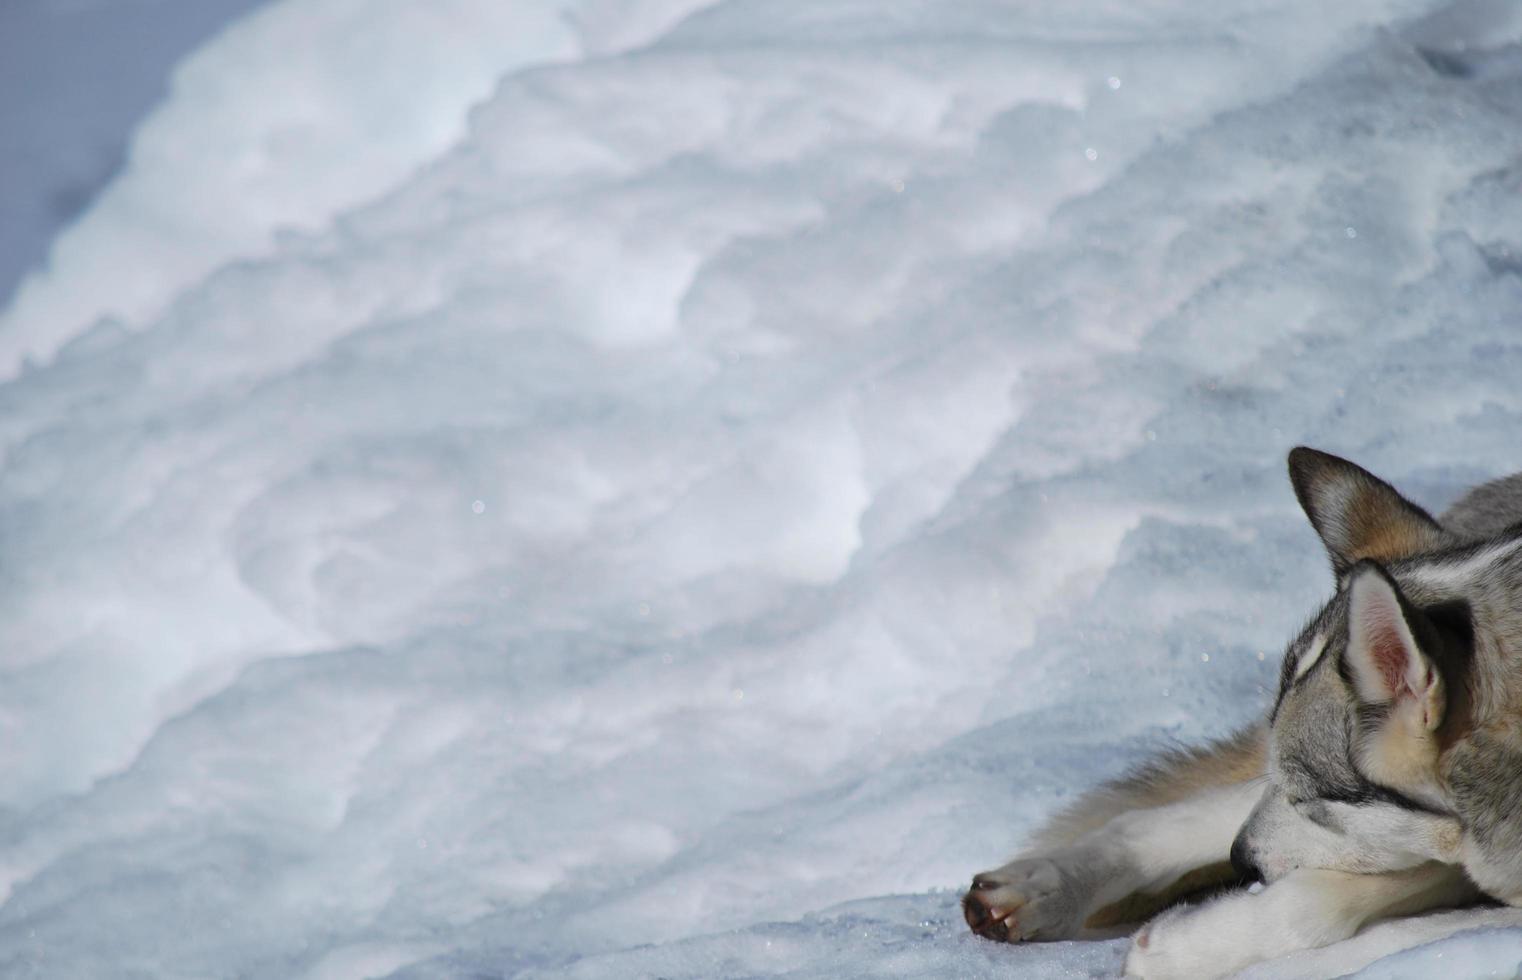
{"type": "Point", "coordinates": [779, 453]}
{"type": "Point", "coordinates": [303, 109]}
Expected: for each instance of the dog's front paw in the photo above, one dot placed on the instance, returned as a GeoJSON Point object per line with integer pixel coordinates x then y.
{"type": "Point", "coordinates": [1029, 898]}
{"type": "Point", "coordinates": [1161, 952]}
{"type": "Point", "coordinates": [1196, 943]}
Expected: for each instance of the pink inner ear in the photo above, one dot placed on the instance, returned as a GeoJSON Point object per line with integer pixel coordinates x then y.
{"type": "Point", "coordinates": [1388, 651]}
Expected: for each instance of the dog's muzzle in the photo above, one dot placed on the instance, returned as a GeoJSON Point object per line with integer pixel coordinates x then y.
{"type": "Point", "coordinates": [1242, 863]}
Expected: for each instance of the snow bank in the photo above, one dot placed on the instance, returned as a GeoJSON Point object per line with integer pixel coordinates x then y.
{"type": "Point", "coordinates": [304, 109]}
{"type": "Point", "coordinates": [777, 455]}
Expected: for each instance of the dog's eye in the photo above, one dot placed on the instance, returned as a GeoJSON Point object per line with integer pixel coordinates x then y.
{"type": "Point", "coordinates": [1317, 813]}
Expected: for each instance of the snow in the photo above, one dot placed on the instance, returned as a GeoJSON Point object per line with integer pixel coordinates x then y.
{"type": "Point", "coordinates": [304, 109]}
{"type": "Point", "coordinates": [645, 488]}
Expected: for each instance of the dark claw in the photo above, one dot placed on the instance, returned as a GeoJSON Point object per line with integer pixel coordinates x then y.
{"type": "Point", "coordinates": [974, 912]}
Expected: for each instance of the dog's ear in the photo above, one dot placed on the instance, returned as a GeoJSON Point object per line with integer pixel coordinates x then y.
{"type": "Point", "coordinates": [1357, 514]}
{"type": "Point", "coordinates": [1386, 635]}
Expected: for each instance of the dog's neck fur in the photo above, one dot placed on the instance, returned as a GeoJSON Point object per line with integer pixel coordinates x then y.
{"type": "Point", "coordinates": [1480, 740]}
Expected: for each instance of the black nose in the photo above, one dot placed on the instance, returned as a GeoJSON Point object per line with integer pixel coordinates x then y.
{"type": "Point", "coordinates": [1242, 862]}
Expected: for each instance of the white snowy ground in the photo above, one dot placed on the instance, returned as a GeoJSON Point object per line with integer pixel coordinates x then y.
{"type": "Point", "coordinates": [684, 519]}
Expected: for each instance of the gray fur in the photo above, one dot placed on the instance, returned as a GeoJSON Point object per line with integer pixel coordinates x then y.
{"type": "Point", "coordinates": [1487, 510]}
{"type": "Point", "coordinates": [1487, 791]}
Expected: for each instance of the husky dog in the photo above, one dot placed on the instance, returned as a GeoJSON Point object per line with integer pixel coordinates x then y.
{"type": "Point", "coordinates": [1386, 780]}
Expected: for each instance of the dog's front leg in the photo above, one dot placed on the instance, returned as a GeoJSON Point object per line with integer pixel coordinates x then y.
{"type": "Point", "coordinates": [1302, 910]}
{"type": "Point", "coordinates": [1053, 894]}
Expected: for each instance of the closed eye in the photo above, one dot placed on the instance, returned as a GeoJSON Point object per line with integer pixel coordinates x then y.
{"type": "Point", "coordinates": [1319, 814]}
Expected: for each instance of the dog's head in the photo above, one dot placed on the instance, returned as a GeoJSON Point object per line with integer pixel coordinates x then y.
{"type": "Point", "coordinates": [1371, 690]}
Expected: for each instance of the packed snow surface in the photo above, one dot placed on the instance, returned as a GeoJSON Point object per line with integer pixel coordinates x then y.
{"type": "Point", "coordinates": [683, 515]}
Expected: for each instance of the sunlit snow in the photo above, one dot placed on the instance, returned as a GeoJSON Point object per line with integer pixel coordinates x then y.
{"type": "Point", "coordinates": [633, 488]}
